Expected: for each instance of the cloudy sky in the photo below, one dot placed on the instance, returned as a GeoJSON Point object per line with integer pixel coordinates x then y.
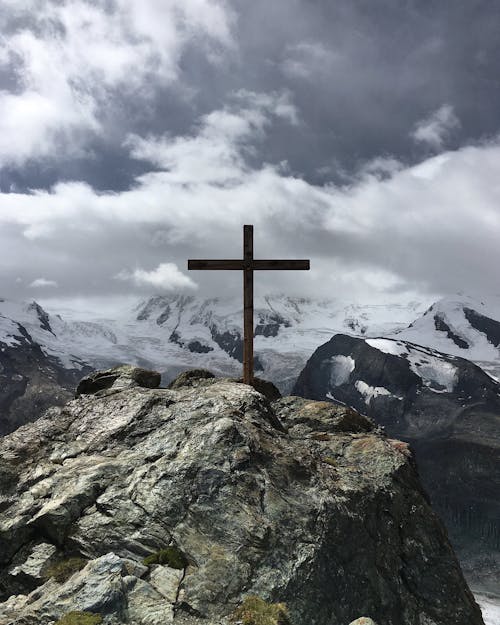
{"type": "Point", "coordinates": [135, 134]}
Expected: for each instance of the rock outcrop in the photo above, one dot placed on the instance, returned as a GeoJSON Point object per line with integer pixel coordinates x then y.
{"type": "Point", "coordinates": [148, 506]}
{"type": "Point", "coordinates": [447, 408]}
{"type": "Point", "coordinates": [122, 376]}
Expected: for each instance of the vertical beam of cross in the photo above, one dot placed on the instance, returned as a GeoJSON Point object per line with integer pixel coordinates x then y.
{"type": "Point", "coordinates": [248, 305]}
{"type": "Point", "coordinates": [248, 264]}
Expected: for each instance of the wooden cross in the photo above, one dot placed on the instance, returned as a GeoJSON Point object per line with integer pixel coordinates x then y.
{"type": "Point", "coordinates": [248, 264]}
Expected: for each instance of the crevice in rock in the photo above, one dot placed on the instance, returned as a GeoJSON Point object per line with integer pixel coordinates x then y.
{"type": "Point", "coordinates": [179, 588]}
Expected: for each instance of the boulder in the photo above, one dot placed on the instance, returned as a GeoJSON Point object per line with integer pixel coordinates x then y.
{"type": "Point", "coordinates": [180, 504]}
{"type": "Point", "coordinates": [266, 388]}
{"type": "Point", "coordinates": [321, 416]}
{"type": "Point", "coordinates": [193, 377]}
{"type": "Point", "coordinates": [123, 376]}
{"type": "Point", "coordinates": [197, 377]}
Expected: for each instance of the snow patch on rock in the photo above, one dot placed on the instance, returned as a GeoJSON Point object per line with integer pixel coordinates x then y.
{"type": "Point", "coordinates": [388, 346]}
{"type": "Point", "coordinates": [490, 608]}
{"type": "Point", "coordinates": [437, 374]}
{"type": "Point", "coordinates": [369, 392]}
{"type": "Point", "coordinates": [435, 369]}
{"type": "Point", "coordinates": [341, 368]}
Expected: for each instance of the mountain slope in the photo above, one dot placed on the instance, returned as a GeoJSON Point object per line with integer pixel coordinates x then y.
{"type": "Point", "coordinates": [462, 326]}
{"type": "Point", "coordinates": [30, 379]}
{"type": "Point", "coordinates": [178, 332]}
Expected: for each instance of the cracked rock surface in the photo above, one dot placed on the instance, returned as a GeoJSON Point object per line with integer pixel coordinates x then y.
{"type": "Point", "coordinates": [295, 501]}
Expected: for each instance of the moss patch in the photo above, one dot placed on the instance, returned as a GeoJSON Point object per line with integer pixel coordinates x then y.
{"type": "Point", "coordinates": [256, 611]}
{"type": "Point", "coordinates": [63, 570]}
{"type": "Point", "coordinates": [80, 618]}
{"type": "Point", "coordinates": [329, 460]}
{"type": "Point", "coordinates": [171, 556]}
{"type": "Point", "coordinates": [321, 436]}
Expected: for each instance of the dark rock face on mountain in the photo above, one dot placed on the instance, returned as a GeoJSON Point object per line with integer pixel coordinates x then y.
{"type": "Point", "coordinates": [269, 324]}
{"type": "Point", "coordinates": [149, 506]}
{"type": "Point", "coordinates": [489, 327]}
{"type": "Point", "coordinates": [447, 408]}
{"type": "Point", "coordinates": [31, 382]}
{"type": "Point", "coordinates": [442, 326]}
{"type": "Point", "coordinates": [231, 341]}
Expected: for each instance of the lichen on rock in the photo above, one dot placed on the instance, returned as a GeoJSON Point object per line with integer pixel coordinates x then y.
{"type": "Point", "coordinates": [255, 611]}
{"type": "Point", "coordinates": [64, 569]}
{"type": "Point", "coordinates": [171, 556]}
{"type": "Point", "coordinates": [80, 618]}
{"type": "Point", "coordinates": [333, 526]}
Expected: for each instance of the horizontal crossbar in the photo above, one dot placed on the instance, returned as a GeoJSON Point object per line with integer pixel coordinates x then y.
{"type": "Point", "coordinates": [248, 264]}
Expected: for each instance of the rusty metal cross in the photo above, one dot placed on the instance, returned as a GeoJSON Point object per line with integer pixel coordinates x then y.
{"type": "Point", "coordinates": [248, 265]}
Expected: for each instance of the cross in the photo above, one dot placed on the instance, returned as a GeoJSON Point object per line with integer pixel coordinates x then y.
{"type": "Point", "coordinates": [248, 265]}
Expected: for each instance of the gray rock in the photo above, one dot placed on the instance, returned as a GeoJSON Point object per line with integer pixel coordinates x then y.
{"type": "Point", "coordinates": [266, 388]}
{"type": "Point", "coordinates": [364, 620]}
{"type": "Point", "coordinates": [37, 560]}
{"type": "Point", "coordinates": [317, 416]}
{"type": "Point", "coordinates": [191, 378]}
{"type": "Point", "coordinates": [147, 606]}
{"type": "Point", "coordinates": [97, 588]}
{"type": "Point", "coordinates": [332, 521]}
{"type": "Point", "coordinates": [197, 377]}
{"type": "Point", "coordinates": [166, 581]}
{"type": "Point", "coordinates": [123, 376]}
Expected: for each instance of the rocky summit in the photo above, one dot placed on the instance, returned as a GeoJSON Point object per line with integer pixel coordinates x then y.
{"type": "Point", "coordinates": [210, 503]}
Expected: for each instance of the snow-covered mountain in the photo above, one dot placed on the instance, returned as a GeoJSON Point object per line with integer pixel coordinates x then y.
{"type": "Point", "coordinates": [173, 333]}
{"type": "Point", "coordinates": [31, 378]}
{"type": "Point", "coordinates": [460, 326]}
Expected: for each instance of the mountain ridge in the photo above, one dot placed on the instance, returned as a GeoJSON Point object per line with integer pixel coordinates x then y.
{"type": "Point", "coordinates": [172, 333]}
{"type": "Point", "coordinates": [178, 332]}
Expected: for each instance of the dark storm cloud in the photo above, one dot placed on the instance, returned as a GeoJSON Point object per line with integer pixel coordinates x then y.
{"type": "Point", "coordinates": [139, 133]}
{"type": "Point", "coordinates": [361, 73]}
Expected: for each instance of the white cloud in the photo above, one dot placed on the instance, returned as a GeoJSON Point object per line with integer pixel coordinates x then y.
{"type": "Point", "coordinates": [381, 167]}
{"type": "Point", "coordinates": [166, 277]}
{"type": "Point", "coordinates": [216, 152]}
{"type": "Point", "coordinates": [436, 128]}
{"type": "Point", "coordinates": [307, 59]}
{"type": "Point", "coordinates": [42, 283]}
{"type": "Point", "coordinates": [76, 54]}
{"type": "Point", "coordinates": [431, 227]}
{"type": "Point", "coordinates": [279, 104]}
